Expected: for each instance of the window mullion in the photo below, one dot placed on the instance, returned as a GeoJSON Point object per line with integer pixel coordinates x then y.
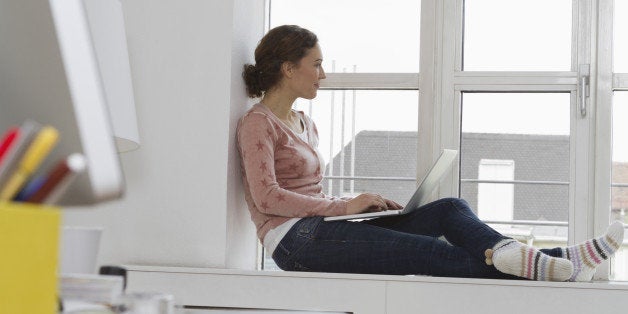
{"type": "Point", "coordinates": [439, 113]}
{"type": "Point", "coordinates": [380, 81]}
{"type": "Point", "coordinates": [582, 140]}
{"type": "Point", "coordinates": [516, 81]}
{"type": "Point", "coordinates": [603, 130]}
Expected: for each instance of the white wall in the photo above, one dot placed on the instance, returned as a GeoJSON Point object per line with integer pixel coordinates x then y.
{"type": "Point", "coordinates": [183, 205]}
{"type": "Point", "coordinates": [248, 29]}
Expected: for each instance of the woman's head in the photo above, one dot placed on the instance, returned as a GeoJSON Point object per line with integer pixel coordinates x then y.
{"type": "Point", "coordinates": [287, 43]}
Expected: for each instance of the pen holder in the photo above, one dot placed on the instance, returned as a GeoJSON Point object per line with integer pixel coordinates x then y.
{"type": "Point", "coordinates": [29, 242]}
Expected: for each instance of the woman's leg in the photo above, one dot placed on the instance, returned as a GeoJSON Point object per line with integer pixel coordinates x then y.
{"type": "Point", "coordinates": [454, 219]}
{"type": "Point", "coordinates": [448, 217]}
{"type": "Point", "coordinates": [350, 247]}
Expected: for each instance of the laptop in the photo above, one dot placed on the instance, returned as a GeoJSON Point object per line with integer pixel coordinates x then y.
{"type": "Point", "coordinates": [421, 195]}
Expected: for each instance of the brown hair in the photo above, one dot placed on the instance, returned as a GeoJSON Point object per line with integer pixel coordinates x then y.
{"type": "Point", "coordinates": [283, 43]}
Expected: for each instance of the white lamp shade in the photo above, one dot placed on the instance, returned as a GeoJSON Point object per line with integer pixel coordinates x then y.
{"type": "Point", "coordinates": [106, 23]}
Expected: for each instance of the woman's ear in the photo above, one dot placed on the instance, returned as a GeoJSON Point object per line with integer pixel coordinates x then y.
{"type": "Point", "coordinates": [287, 68]}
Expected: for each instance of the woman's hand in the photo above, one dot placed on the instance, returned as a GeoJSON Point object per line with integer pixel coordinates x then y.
{"type": "Point", "coordinates": [369, 202]}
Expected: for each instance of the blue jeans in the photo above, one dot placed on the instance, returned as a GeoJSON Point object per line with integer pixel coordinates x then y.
{"type": "Point", "coordinates": [396, 245]}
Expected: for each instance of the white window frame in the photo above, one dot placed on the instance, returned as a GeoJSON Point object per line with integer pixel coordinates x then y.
{"type": "Point", "coordinates": [442, 83]}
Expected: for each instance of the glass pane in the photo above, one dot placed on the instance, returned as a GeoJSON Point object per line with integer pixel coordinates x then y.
{"type": "Point", "coordinates": [515, 35]}
{"type": "Point", "coordinates": [372, 35]}
{"type": "Point", "coordinates": [620, 37]}
{"type": "Point", "coordinates": [508, 138]}
{"type": "Point", "coordinates": [619, 190]}
{"type": "Point", "coordinates": [380, 130]}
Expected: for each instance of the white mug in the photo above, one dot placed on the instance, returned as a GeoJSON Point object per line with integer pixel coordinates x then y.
{"type": "Point", "coordinates": [79, 249]}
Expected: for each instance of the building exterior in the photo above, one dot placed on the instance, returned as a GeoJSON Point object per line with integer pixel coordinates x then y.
{"type": "Point", "coordinates": [542, 159]}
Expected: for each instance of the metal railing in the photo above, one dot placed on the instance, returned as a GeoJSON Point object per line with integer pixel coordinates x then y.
{"type": "Point", "coordinates": [514, 182]}
{"type": "Point", "coordinates": [369, 178]}
{"type": "Point", "coordinates": [498, 222]}
{"type": "Point", "coordinates": [538, 182]}
{"type": "Point", "coordinates": [528, 223]}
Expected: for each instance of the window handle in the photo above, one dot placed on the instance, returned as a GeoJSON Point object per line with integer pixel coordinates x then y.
{"type": "Point", "coordinates": [583, 88]}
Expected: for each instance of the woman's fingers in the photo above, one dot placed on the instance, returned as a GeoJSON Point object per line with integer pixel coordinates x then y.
{"type": "Point", "coordinates": [393, 205]}
{"type": "Point", "coordinates": [381, 202]}
{"type": "Point", "coordinates": [374, 202]}
{"type": "Point", "coordinates": [370, 202]}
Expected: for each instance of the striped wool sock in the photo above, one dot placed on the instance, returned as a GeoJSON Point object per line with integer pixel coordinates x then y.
{"type": "Point", "coordinates": [587, 256]}
{"type": "Point", "coordinates": [515, 258]}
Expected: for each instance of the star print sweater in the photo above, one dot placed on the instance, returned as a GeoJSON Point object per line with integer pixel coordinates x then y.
{"type": "Point", "coordinates": [281, 172]}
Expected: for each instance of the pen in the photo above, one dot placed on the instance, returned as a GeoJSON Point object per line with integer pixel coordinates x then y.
{"type": "Point", "coordinates": [7, 141]}
{"type": "Point", "coordinates": [35, 154]}
{"type": "Point", "coordinates": [30, 188]}
{"type": "Point", "coordinates": [59, 179]}
{"type": "Point", "coordinates": [27, 132]}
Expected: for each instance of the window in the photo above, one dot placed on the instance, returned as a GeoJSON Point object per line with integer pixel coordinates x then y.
{"type": "Point", "coordinates": [532, 131]}
{"type": "Point", "coordinates": [532, 106]}
{"type": "Point", "coordinates": [531, 81]}
{"type": "Point", "coordinates": [619, 190]}
{"type": "Point", "coordinates": [370, 35]}
{"type": "Point", "coordinates": [507, 95]}
{"type": "Point", "coordinates": [620, 40]}
{"type": "Point", "coordinates": [499, 35]}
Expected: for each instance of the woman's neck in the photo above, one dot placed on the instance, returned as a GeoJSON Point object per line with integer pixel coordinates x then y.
{"type": "Point", "coordinates": [280, 105]}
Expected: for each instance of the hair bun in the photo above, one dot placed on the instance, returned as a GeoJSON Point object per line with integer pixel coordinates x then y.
{"type": "Point", "coordinates": [251, 69]}
{"type": "Point", "coordinates": [252, 78]}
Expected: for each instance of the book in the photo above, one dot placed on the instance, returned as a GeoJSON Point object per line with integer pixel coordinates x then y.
{"type": "Point", "coordinates": [102, 289]}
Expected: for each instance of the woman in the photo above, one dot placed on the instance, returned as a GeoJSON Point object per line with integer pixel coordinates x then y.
{"type": "Point", "coordinates": [282, 170]}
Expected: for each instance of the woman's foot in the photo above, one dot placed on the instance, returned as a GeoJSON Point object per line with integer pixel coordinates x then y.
{"type": "Point", "coordinates": [587, 256]}
{"type": "Point", "coordinates": [515, 258]}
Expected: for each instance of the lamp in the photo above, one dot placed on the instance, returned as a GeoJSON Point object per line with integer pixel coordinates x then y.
{"type": "Point", "coordinates": [106, 23]}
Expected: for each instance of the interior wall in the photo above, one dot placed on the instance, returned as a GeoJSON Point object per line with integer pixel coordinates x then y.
{"type": "Point", "coordinates": [183, 204]}
{"type": "Point", "coordinates": [248, 29]}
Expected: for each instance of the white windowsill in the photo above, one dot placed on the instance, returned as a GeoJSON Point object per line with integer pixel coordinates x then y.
{"type": "Point", "coordinates": [372, 294]}
{"type": "Point", "coordinates": [621, 285]}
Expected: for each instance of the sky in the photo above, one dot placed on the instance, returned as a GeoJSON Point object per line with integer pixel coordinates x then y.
{"type": "Point", "coordinates": [366, 36]}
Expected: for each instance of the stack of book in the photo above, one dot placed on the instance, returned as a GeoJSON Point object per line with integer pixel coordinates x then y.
{"type": "Point", "coordinates": [85, 293]}
{"type": "Point", "coordinates": [23, 149]}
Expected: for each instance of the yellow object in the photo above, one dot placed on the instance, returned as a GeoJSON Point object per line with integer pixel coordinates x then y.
{"type": "Point", "coordinates": [35, 154]}
{"type": "Point", "coordinates": [29, 241]}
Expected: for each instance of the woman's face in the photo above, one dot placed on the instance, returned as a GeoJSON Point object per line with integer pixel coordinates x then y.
{"type": "Point", "coordinates": [304, 78]}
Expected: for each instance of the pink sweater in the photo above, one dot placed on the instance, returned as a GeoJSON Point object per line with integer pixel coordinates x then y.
{"type": "Point", "coordinates": [281, 172]}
